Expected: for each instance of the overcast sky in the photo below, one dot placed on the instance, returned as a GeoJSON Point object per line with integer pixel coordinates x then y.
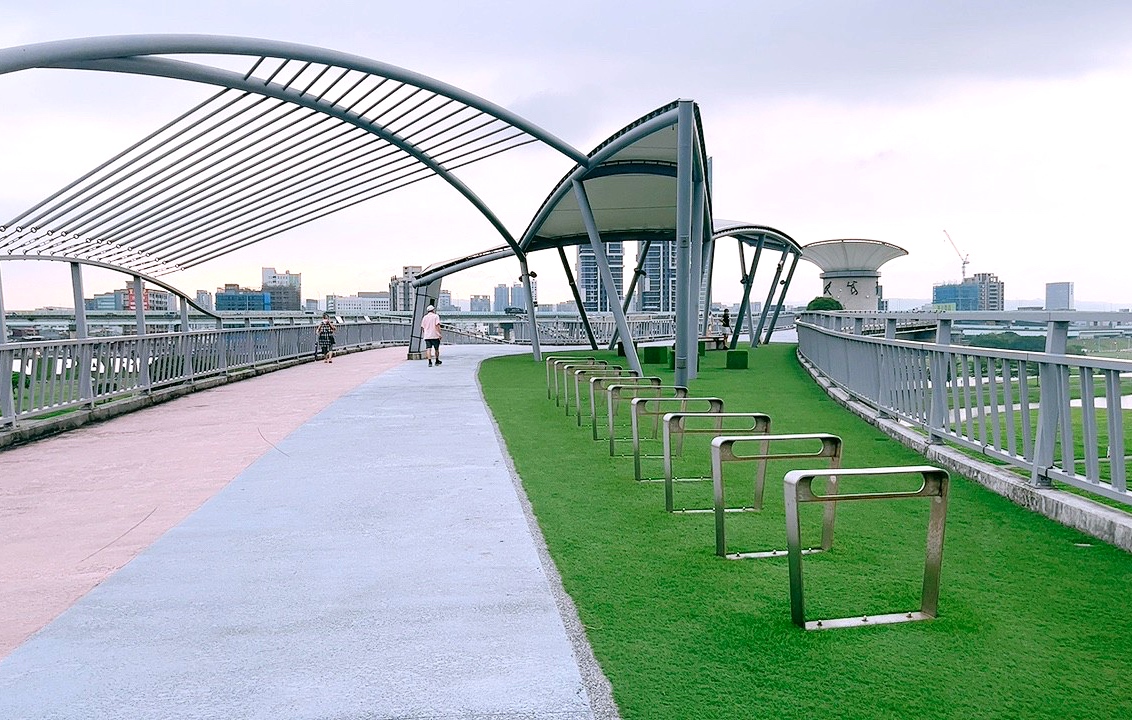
{"type": "Point", "coordinates": [1004, 123]}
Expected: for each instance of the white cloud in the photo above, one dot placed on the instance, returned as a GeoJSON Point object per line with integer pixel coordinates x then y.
{"type": "Point", "coordinates": [1003, 123]}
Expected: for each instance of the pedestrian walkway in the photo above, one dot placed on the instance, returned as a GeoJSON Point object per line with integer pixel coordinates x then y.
{"type": "Point", "coordinates": [337, 540]}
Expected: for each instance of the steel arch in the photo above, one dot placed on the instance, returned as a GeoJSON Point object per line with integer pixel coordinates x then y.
{"type": "Point", "coordinates": [135, 55]}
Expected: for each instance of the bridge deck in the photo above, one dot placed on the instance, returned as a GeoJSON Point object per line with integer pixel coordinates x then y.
{"type": "Point", "coordinates": [337, 540]}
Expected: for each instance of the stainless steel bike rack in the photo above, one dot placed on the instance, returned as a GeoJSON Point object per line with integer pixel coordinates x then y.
{"type": "Point", "coordinates": [616, 393]}
{"type": "Point", "coordinates": [655, 408]}
{"type": "Point", "coordinates": [582, 376]}
{"type": "Point", "coordinates": [566, 366]}
{"type": "Point", "coordinates": [723, 451]}
{"type": "Point", "coordinates": [555, 360]}
{"type": "Point", "coordinates": [598, 387]}
{"type": "Point", "coordinates": [798, 488]}
{"type": "Point", "coordinates": [675, 425]}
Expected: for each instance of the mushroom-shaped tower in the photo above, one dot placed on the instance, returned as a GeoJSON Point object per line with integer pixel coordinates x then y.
{"type": "Point", "coordinates": [850, 269]}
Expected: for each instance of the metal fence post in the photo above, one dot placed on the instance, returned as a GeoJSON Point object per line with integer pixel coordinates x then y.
{"type": "Point", "coordinates": [86, 389]}
{"type": "Point", "coordinates": [1050, 405]}
{"type": "Point", "coordinates": [186, 341]}
{"type": "Point", "coordinates": [7, 394]}
{"type": "Point", "coordinates": [144, 380]}
{"type": "Point", "coordinates": [938, 366]}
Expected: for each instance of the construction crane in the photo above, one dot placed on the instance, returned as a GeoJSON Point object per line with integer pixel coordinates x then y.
{"type": "Point", "coordinates": [962, 257]}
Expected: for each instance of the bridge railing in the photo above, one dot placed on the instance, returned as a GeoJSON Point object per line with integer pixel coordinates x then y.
{"type": "Point", "coordinates": [561, 331]}
{"type": "Point", "coordinates": [1054, 417]}
{"type": "Point", "coordinates": [51, 377]}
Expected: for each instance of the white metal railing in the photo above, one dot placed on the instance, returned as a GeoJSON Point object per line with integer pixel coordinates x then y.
{"type": "Point", "coordinates": [571, 331]}
{"type": "Point", "coordinates": [50, 377]}
{"type": "Point", "coordinates": [1054, 416]}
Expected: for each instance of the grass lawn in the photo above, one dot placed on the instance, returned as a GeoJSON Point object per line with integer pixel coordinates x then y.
{"type": "Point", "coordinates": [1035, 619]}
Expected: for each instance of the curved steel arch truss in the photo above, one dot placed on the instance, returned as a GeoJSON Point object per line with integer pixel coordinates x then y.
{"type": "Point", "coordinates": [302, 133]}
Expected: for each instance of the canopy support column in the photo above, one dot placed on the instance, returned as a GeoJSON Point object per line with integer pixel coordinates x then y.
{"type": "Point", "coordinates": [697, 258]}
{"type": "Point", "coordinates": [86, 387]}
{"type": "Point", "coordinates": [685, 334]}
{"type": "Point", "coordinates": [709, 270]}
{"type": "Point", "coordinates": [139, 324]}
{"type": "Point", "coordinates": [748, 284]}
{"type": "Point", "coordinates": [606, 276]}
{"type": "Point", "coordinates": [425, 295]}
{"type": "Point", "coordinates": [769, 300]}
{"type": "Point", "coordinates": [525, 276]}
{"type": "Point", "coordinates": [3, 321]}
{"type": "Point", "coordinates": [578, 299]}
{"type": "Point", "coordinates": [781, 299]}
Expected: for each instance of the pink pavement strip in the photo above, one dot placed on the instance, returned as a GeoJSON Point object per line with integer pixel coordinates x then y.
{"type": "Point", "coordinates": [76, 507]}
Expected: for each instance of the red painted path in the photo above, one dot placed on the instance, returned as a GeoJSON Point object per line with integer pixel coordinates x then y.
{"type": "Point", "coordinates": [76, 507]}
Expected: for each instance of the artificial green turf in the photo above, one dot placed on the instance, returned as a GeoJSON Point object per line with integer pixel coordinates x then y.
{"type": "Point", "coordinates": [1035, 618]}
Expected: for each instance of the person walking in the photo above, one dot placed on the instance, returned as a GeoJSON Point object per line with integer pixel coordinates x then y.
{"type": "Point", "coordinates": [325, 334]}
{"type": "Point", "coordinates": [725, 324]}
{"type": "Point", "coordinates": [430, 331]}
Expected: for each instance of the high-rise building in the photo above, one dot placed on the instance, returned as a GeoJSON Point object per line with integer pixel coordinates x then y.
{"type": "Point", "coordinates": [364, 303]}
{"type": "Point", "coordinates": [594, 296]}
{"type": "Point", "coordinates": [656, 291]}
{"type": "Point", "coordinates": [151, 299]}
{"type": "Point", "coordinates": [285, 288]}
{"type": "Point", "coordinates": [204, 299]}
{"type": "Point", "coordinates": [111, 301]}
{"type": "Point", "coordinates": [519, 296]}
{"type": "Point", "coordinates": [502, 298]}
{"type": "Point", "coordinates": [444, 302]}
{"type": "Point", "coordinates": [1059, 296]}
{"type": "Point", "coordinates": [982, 291]}
{"type": "Point", "coordinates": [963, 297]}
{"type": "Point", "coordinates": [233, 298]}
{"type": "Point", "coordinates": [992, 291]}
{"type": "Point", "coordinates": [480, 303]}
{"type": "Point", "coordinates": [401, 289]}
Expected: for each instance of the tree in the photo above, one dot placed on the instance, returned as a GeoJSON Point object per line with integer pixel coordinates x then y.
{"type": "Point", "coordinates": [825, 302]}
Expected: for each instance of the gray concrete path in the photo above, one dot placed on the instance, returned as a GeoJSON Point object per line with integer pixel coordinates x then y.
{"type": "Point", "coordinates": [377, 562]}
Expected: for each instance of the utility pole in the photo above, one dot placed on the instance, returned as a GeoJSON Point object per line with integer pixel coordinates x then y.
{"type": "Point", "coordinates": [962, 257]}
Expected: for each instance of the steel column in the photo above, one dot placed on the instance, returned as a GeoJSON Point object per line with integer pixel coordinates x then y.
{"type": "Point", "coordinates": [685, 336]}
{"type": "Point", "coordinates": [606, 276]}
{"type": "Point", "coordinates": [769, 300]}
{"type": "Point", "coordinates": [525, 274]}
{"type": "Point", "coordinates": [748, 281]}
{"type": "Point", "coordinates": [781, 298]}
{"type": "Point", "coordinates": [708, 264]}
{"type": "Point", "coordinates": [696, 256]}
{"type": "Point", "coordinates": [578, 299]}
{"type": "Point", "coordinates": [424, 296]}
{"type": "Point", "coordinates": [186, 341]}
{"type": "Point", "coordinates": [7, 360]}
{"type": "Point", "coordinates": [3, 321]}
{"type": "Point", "coordinates": [143, 344]}
{"type": "Point", "coordinates": [707, 261]}
{"type": "Point", "coordinates": [86, 390]}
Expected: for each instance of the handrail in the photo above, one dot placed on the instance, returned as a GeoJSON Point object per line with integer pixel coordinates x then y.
{"type": "Point", "coordinates": [1047, 414]}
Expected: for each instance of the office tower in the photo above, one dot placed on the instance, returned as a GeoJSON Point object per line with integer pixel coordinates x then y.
{"type": "Point", "coordinates": [1059, 296]}
{"type": "Point", "coordinates": [594, 296]}
{"type": "Point", "coordinates": [656, 291]}
{"type": "Point", "coordinates": [401, 289]}
{"type": "Point", "coordinates": [285, 288]}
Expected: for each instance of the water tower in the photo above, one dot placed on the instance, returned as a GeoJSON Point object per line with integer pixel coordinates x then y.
{"type": "Point", "coordinates": [851, 269]}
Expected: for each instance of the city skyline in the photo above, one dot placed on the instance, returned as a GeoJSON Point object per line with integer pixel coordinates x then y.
{"type": "Point", "coordinates": [1001, 125]}
{"type": "Point", "coordinates": [464, 299]}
